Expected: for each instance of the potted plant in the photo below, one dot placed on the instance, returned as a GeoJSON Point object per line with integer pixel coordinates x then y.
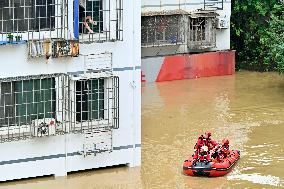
{"type": "Point", "coordinates": [18, 38]}
{"type": "Point", "coordinates": [10, 37]}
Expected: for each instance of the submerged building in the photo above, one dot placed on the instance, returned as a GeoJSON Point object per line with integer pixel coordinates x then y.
{"type": "Point", "coordinates": [70, 96]}
{"type": "Point", "coordinates": [184, 39]}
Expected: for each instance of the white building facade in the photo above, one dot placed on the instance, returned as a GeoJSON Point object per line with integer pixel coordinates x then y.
{"type": "Point", "coordinates": [70, 96]}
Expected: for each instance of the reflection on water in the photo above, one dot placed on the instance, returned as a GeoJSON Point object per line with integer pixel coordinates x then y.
{"type": "Point", "coordinates": [247, 108]}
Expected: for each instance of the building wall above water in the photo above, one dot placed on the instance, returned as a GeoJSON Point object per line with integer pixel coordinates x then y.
{"type": "Point", "coordinates": [219, 11]}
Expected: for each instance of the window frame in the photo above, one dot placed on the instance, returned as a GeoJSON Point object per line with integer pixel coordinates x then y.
{"type": "Point", "coordinates": [177, 19]}
{"type": "Point", "coordinates": [209, 33]}
{"type": "Point", "coordinates": [110, 23]}
{"type": "Point", "coordinates": [64, 116]}
{"type": "Point", "coordinates": [58, 31]}
{"type": "Point", "coordinates": [110, 100]}
{"type": "Point", "coordinates": [30, 98]}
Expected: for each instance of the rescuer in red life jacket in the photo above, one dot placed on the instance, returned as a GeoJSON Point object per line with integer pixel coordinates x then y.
{"type": "Point", "coordinates": [224, 150]}
{"type": "Point", "coordinates": [221, 151]}
{"type": "Point", "coordinates": [205, 140]}
{"type": "Point", "coordinates": [203, 155]}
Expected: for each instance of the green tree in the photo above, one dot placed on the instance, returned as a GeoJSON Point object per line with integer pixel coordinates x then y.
{"type": "Point", "coordinates": [258, 34]}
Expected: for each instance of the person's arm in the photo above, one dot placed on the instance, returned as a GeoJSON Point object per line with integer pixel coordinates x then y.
{"type": "Point", "coordinates": [91, 21]}
{"type": "Point", "coordinates": [199, 140]}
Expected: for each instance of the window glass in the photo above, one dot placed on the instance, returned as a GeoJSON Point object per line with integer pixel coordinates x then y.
{"type": "Point", "coordinates": [89, 100]}
{"type": "Point", "coordinates": [7, 104]}
{"type": "Point", "coordinates": [26, 15]}
{"type": "Point", "coordinates": [27, 100]}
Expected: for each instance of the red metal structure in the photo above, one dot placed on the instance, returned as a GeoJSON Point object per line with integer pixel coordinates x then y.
{"type": "Point", "coordinates": [180, 67]}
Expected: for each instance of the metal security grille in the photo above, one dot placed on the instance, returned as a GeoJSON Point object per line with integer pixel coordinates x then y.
{"type": "Point", "coordinates": [100, 20]}
{"type": "Point", "coordinates": [45, 105]}
{"type": "Point", "coordinates": [163, 30]}
{"type": "Point", "coordinates": [96, 103]}
{"type": "Point", "coordinates": [201, 33]}
{"type": "Point", "coordinates": [213, 5]}
{"type": "Point", "coordinates": [27, 102]}
{"type": "Point", "coordinates": [33, 19]}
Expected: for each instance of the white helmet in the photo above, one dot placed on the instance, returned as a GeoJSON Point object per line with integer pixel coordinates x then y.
{"type": "Point", "coordinates": [204, 148]}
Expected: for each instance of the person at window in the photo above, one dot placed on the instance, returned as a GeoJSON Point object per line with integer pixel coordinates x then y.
{"type": "Point", "coordinates": [85, 16]}
{"type": "Point", "coordinates": [89, 20]}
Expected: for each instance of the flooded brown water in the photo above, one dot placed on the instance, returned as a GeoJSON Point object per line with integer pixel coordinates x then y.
{"type": "Point", "coordinates": [247, 108]}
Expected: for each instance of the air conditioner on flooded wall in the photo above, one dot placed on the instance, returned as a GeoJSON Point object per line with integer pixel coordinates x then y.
{"type": "Point", "coordinates": [222, 23]}
{"type": "Point", "coordinates": [43, 127]}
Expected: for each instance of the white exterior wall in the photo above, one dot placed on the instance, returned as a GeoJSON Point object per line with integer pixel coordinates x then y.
{"type": "Point", "coordinates": [222, 35]}
{"type": "Point", "coordinates": [59, 154]}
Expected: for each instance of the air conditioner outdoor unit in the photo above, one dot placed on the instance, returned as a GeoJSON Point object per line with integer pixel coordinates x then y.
{"type": "Point", "coordinates": [222, 23]}
{"type": "Point", "coordinates": [43, 127]}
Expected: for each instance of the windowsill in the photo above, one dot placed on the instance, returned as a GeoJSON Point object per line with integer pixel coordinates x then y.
{"type": "Point", "coordinates": [161, 44]}
{"type": "Point", "coordinates": [26, 130]}
{"type": "Point", "coordinates": [95, 38]}
{"type": "Point", "coordinates": [13, 42]}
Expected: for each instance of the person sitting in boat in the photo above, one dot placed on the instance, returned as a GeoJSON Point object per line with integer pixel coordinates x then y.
{"type": "Point", "coordinates": [221, 151]}
{"type": "Point", "coordinates": [203, 155]}
{"type": "Point", "coordinates": [205, 140]}
{"type": "Point", "coordinates": [224, 150]}
{"type": "Point", "coordinates": [209, 142]}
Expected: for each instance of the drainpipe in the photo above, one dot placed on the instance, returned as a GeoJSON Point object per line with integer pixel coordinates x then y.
{"type": "Point", "coordinates": [76, 19]}
{"type": "Point", "coordinates": [133, 84]}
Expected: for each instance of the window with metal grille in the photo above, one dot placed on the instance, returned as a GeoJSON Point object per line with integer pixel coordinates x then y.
{"type": "Point", "coordinates": [56, 101]}
{"type": "Point", "coordinates": [162, 30]}
{"type": "Point", "coordinates": [23, 101]}
{"type": "Point", "coordinates": [96, 103]}
{"type": "Point", "coordinates": [100, 20]}
{"type": "Point", "coordinates": [28, 18]}
{"type": "Point", "coordinates": [202, 33]}
{"type": "Point", "coordinates": [90, 100]}
{"type": "Point", "coordinates": [26, 15]}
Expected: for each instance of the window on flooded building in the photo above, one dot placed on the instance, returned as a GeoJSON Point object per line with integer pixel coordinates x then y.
{"type": "Point", "coordinates": [33, 19]}
{"type": "Point", "coordinates": [90, 99]}
{"type": "Point", "coordinates": [96, 103]}
{"type": "Point", "coordinates": [201, 33]}
{"type": "Point", "coordinates": [100, 20]}
{"type": "Point", "coordinates": [162, 30]}
{"type": "Point", "coordinates": [23, 101]}
{"type": "Point", "coordinates": [44, 105]}
{"type": "Point", "coordinates": [26, 15]}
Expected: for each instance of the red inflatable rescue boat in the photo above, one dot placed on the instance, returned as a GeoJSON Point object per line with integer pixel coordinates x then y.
{"type": "Point", "coordinates": [211, 169]}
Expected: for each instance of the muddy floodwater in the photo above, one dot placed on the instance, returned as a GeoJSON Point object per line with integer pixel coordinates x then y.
{"type": "Point", "coordinates": [247, 108]}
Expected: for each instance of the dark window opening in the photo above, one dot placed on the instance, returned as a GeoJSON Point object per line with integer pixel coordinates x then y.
{"type": "Point", "coordinates": [89, 100]}
{"type": "Point", "coordinates": [91, 16]}
{"type": "Point", "coordinates": [202, 33]}
{"type": "Point", "coordinates": [197, 27]}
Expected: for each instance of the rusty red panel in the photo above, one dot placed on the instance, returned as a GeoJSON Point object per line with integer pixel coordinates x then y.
{"type": "Point", "coordinates": [173, 68]}
{"type": "Point", "coordinates": [197, 65]}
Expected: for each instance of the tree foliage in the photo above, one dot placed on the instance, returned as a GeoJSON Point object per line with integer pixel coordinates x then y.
{"type": "Point", "coordinates": [258, 34]}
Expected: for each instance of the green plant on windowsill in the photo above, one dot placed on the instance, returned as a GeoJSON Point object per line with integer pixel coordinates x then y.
{"type": "Point", "coordinates": [10, 37]}
{"type": "Point", "coordinates": [18, 38]}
